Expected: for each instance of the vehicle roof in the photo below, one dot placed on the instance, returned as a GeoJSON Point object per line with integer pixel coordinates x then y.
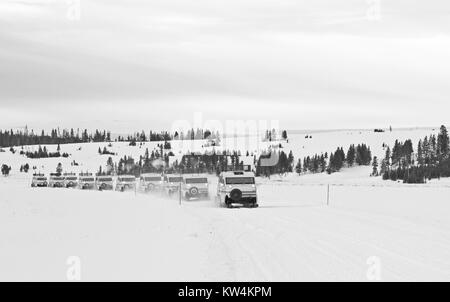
{"type": "Point", "coordinates": [126, 176]}
{"type": "Point", "coordinates": [195, 176]}
{"type": "Point", "coordinates": [151, 174]}
{"type": "Point", "coordinates": [237, 174]}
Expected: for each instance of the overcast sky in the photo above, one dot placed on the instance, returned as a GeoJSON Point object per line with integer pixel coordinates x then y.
{"type": "Point", "coordinates": [141, 64]}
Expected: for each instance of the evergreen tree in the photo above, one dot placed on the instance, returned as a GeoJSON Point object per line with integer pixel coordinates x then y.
{"type": "Point", "coordinates": [375, 166]}
{"type": "Point", "coordinates": [298, 167]}
{"type": "Point", "coordinates": [443, 144]}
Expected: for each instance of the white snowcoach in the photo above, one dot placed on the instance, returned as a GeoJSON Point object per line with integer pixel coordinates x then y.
{"type": "Point", "coordinates": [150, 182]}
{"type": "Point", "coordinates": [56, 180]}
{"type": "Point", "coordinates": [70, 180]}
{"type": "Point", "coordinates": [237, 187]}
{"type": "Point", "coordinates": [194, 186]}
{"type": "Point", "coordinates": [126, 183]}
{"type": "Point", "coordinates": [39, 180]}
{"type": "Point", "coordinates": [171, 183]}
{"type": "Point", "coordinates": [86, 181]}
{"type": "Point", "coordinates": [104, 182]}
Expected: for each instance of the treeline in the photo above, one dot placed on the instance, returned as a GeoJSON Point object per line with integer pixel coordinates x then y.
{"type": "Point", "coordinates": [9, 138]}
{"type": "Point", "coordinates": [26, 137]}
{"type": "Point", "coordinates": [272, 135]}
{"type": "Point", "coordinates": [43, 153]}
{"type": "Point", "coordinates": [191, 134]}
{"type": "Point", "coordinates": [335, 161]}
{"type": "Point", "coordinates": [432, 159]}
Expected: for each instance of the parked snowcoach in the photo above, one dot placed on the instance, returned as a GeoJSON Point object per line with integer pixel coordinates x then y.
{"type": "Point", "coordinates": [171, 183]}
{"type": "Point", "coordinates": [86, 181]}
{"type": "Point", "coordinates": [39, 180]}
{"type": "Point", "coordinates": [195, 186]}
{"type": "Point", "coordinates": [70, 180]}
{"type": "Point", "coordinates": [150, 182]}
{"type": "Point", "coordinates": [104, 182]}
{"type": "Point", "coordinates": [237, 187]}
{"type": "Point", "coordinates": [126, 183]}
{"type": "Point", "coordinates": [56, 180]}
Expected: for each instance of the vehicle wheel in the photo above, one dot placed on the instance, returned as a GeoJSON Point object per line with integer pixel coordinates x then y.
{"type": "Point", "coordinates": [236, 194]}
{"type": "Point", "coordinates": [193, 191]}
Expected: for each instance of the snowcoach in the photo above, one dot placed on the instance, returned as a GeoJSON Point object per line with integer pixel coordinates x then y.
{"type": "Point", "coordinates": [126, 183]}
{"type": "Point", "coordinates": [194, 186]}
{"type": "Point", "coordinates": [104, 182]}
{"type": "Point", "coordinates": [86, 181]}
{"type": "Point", "coordinates": [171, 183]}
{"type": "Point", "coordinates": [70, 180]}
{"type": "Point", "coordinates": [150, 182]}
{"type": "Point", "coordinates": [56, 180]}
{"type": "Point", "coordinates": [237, 187]}
{"type": "Point", "coordinates": [39, 180]}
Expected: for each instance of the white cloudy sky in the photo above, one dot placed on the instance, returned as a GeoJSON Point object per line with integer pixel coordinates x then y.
{"type": "Point", "coordinates": [132, 64]}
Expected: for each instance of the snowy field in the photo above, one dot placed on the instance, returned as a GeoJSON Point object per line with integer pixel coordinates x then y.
{"type": "Point", "coordinates": [402, 232]}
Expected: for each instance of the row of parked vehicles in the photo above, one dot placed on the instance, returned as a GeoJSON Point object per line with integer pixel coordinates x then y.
{"type": "Point", "coordinates": [234, 187]}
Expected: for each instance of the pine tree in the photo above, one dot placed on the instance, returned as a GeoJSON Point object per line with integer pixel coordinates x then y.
{"type": "Point", "coordinates": [298, 167]}
{"type": "Point", "coordinates": [375, 166]}
{"type": "Point", "coordinates": [59, 168]}
{"type": "Point", "coordinates": [351, 154]}
{"type": "Point", "coordinates": [443, 144]}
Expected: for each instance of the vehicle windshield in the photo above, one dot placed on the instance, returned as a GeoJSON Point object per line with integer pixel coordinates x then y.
{"type": "Point", "coordinates": [71, 178]}
{"type": "Point", "coordinates": [57, 178]}
{"type": "Point", "coordinates": [240, 180]}
{"type": "Point", "coordinates": [175, 179]}
{"type": "Point", "coordinates": [87, 179]}
{"type": "Point", "coordinates": [104, 179]}
{"type": "Point", "coordinates": [196, 180]}
{"type": "Point", "coordinates": [41, 178]}
{"type": "Point", "coordinates": [152, 178]}
{"type": "Point", "coordinates": [127, 179]}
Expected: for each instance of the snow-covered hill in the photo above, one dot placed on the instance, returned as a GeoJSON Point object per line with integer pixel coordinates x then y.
{"type": "Point", "coordinates": [400, 231]}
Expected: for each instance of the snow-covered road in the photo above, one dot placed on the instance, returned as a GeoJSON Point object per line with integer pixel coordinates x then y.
{"type": "Point", "coordinates": [393, 232]}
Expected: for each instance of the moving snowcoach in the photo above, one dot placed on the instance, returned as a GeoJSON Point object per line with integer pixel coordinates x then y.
{"type": "Point", "coordinates": [104, 182]}
{"type": "Point", "coordinates": [86, 181]}
{"type": "Point", "coordinates": [126, 183]}
{"type": "Point", "coordinates": [56, 180]}
{"type": "Point", "coordinates": [237, 187]}
{"type": "Point", "coordinates": [195, 186]}
{"type": "Point", "coordinates": [70, 180]}
{"type": "Point", "coordinates": [150, 182]}
{"type": "Point", "coordinates": [171, 183]}
{"type": "Point", "coordinates": [39, 180]}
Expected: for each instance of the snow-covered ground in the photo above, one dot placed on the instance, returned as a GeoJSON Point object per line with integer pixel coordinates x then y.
{"type": "Point", "coordinates": [369, 229]}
